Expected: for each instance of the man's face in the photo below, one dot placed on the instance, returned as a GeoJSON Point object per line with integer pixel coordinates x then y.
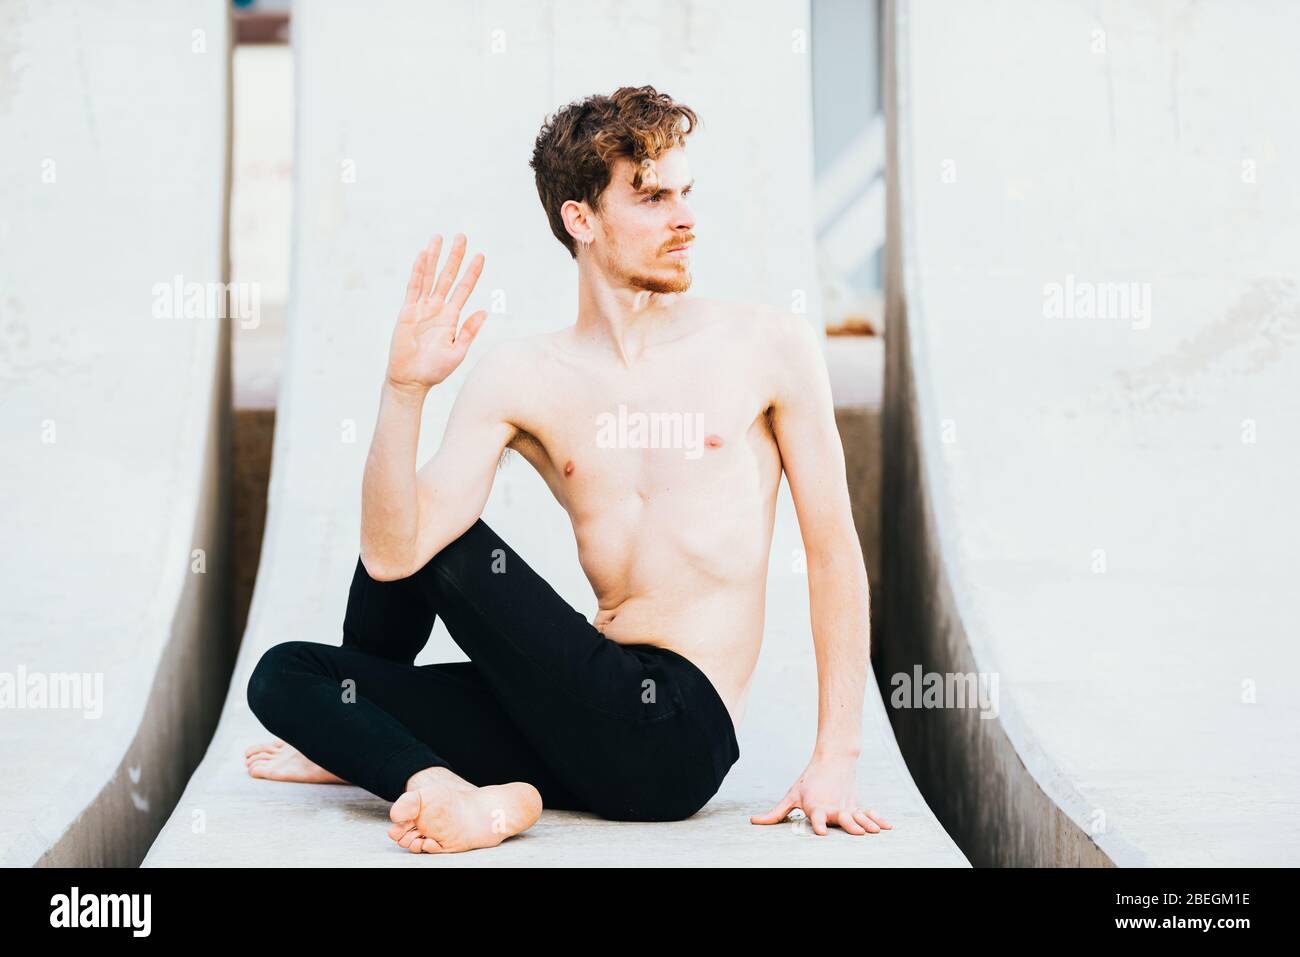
{"type": "Point", "coordinates": [635, 231]}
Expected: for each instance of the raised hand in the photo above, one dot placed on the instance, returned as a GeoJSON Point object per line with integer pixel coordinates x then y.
{"type": "Point", "coordinates": [426, 345]}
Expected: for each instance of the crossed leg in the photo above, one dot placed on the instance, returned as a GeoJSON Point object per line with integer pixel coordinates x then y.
{"type": "Point", "coordinates": [546, 701]}
{"type": "Point", "coordinates": [434, 739]}
{"type": "Point", "coordinates": [358, 718]}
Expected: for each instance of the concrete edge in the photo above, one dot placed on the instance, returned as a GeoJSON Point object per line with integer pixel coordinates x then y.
{"type": "Point", "coordinates": [177, 715]}
{"type": "Point", "coordinates": [993, 788]}
{"type": "Point", "coordinates": [263, 584]}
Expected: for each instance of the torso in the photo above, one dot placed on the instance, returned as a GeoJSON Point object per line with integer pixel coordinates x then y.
{"type": "Point", "coordinates": [674, 540]}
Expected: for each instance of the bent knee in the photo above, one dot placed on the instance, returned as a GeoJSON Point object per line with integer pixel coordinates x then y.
{"type": "Point", "coordinates": [264, 684]}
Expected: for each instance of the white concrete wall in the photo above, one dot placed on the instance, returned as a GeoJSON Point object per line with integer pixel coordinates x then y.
{"type": "Point", "coordinates": [112, 180]}
{"type": "Point", "coordinates": [1099, 510]}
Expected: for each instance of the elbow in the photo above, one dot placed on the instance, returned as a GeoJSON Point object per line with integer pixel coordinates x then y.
{"type": "Point", "coordinates": [382, 570]}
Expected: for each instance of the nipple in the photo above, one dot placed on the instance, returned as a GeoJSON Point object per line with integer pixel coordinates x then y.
{"type": "Point", "coordinates": [568, 467]}
{"type": "Point", "coordinates": [713, 441]}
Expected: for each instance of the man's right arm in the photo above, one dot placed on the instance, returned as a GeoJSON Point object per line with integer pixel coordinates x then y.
{"type": "Point", "coordinates": [407, 517]}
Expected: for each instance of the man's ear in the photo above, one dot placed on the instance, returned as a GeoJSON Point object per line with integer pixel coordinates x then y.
{"type": "Point", "coordinates": [577, 220]}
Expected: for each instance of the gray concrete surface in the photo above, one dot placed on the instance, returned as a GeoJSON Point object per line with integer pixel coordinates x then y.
{"type": "Point", "coordinates": [396, 140]}
{"type": "Point", "coordinates": [1098, 510]}
{"type": "Point", "coordinates": [114, 415]}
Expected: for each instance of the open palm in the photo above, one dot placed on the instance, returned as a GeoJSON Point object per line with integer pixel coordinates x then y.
{"type": "Point", "coordinates": [426, 346]}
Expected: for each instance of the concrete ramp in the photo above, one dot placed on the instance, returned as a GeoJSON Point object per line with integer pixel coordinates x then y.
{"type": "Point", "coordinates": [114, 419]}
{"type": "Point", "coordinates": [415, 118]}
{"type": "Point", "coordinates": [1091, 422]}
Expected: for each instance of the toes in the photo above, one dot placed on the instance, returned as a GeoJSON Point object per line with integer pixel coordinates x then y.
{"type": "Point", "coordinates": [405, 808]}
{"type": "Point", "coordinates": [397, 830]}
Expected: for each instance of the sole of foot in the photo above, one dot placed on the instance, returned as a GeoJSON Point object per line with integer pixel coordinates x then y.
{"type": "Point", "coordinates": [448, 817]}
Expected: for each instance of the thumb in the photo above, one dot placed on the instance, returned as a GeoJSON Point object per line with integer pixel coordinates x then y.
{"type": "Point", "coordinates": [778, 812]}
{"type": "Point", "coordinates": [469, 330]}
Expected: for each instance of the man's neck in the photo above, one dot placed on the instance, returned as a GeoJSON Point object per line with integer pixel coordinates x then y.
{"type": "Point", "coordinates": [621, 321]}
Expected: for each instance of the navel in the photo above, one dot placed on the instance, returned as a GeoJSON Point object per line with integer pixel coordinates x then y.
{"type": "Point", "coordinates": [713, 441]}
{"type": "Point", "coordinates": [568, 467]}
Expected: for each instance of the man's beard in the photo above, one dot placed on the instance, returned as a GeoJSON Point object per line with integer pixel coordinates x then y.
{"type": "Point", "coordinates": [680, 281]}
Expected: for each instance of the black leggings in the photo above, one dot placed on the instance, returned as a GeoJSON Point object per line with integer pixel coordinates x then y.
{"type": "Point", "coordinates": [629, 732]}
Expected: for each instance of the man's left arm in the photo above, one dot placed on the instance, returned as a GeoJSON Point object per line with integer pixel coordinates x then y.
{"type": "Point", "coordinates": [803, 421]}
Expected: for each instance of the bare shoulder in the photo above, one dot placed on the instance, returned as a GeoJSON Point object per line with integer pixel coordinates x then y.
{"type": "Point", "coordinates": [510, 364]}
{"type": "Point", "coordinates": [511, 377]}
{"type": "Point", "coordinates": [781, 346]}
{"type": "Point", "coordinates": [494, 386]}
{"type": "Point", "coordinates": [767, 326]}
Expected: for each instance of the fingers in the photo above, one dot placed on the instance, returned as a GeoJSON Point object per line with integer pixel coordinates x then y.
{"type": "Point", "coordinates": [430, 265]}
{"type": "Point", "coordinates": [862, 818]}
{"type": "Point", "coordinates": [465, 338]}
{"type": "Point", "coordinates": [449, 270]}
{"type": "Point", "coordinates": [417, 278]}
{"type": "Point", "coordinates": [777, 814]}
{"type": "Point", "coordinates": [878, 819]}
{"type": "Point", "coordinates": [818, 821]}
{"type": "Point", "coordinates": [848, 822]}
{"type": "Point", "coordinates": [466, 284]}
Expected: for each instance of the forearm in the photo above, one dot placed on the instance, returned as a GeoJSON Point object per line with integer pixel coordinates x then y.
{"type": "Point", "coordinates": [841, 622]}
{"type": "Point", "coordinates": [389, 507]}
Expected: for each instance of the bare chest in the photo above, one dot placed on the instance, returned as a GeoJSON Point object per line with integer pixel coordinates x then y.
{"type": "Point", "coordinates": [683, 428]}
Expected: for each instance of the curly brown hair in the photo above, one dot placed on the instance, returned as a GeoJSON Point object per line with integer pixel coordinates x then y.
{"type": "Point", "coordinates": [578, 144]}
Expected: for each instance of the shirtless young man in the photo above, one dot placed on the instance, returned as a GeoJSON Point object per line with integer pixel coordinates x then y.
{"type": "Point", "coordinates": [633, 714]}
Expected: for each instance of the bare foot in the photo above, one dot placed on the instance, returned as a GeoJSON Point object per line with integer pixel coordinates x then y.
{"type": "Point", "coordinates": [278, 761]}
{"type": "Point", "coordinates": [445, 813]}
